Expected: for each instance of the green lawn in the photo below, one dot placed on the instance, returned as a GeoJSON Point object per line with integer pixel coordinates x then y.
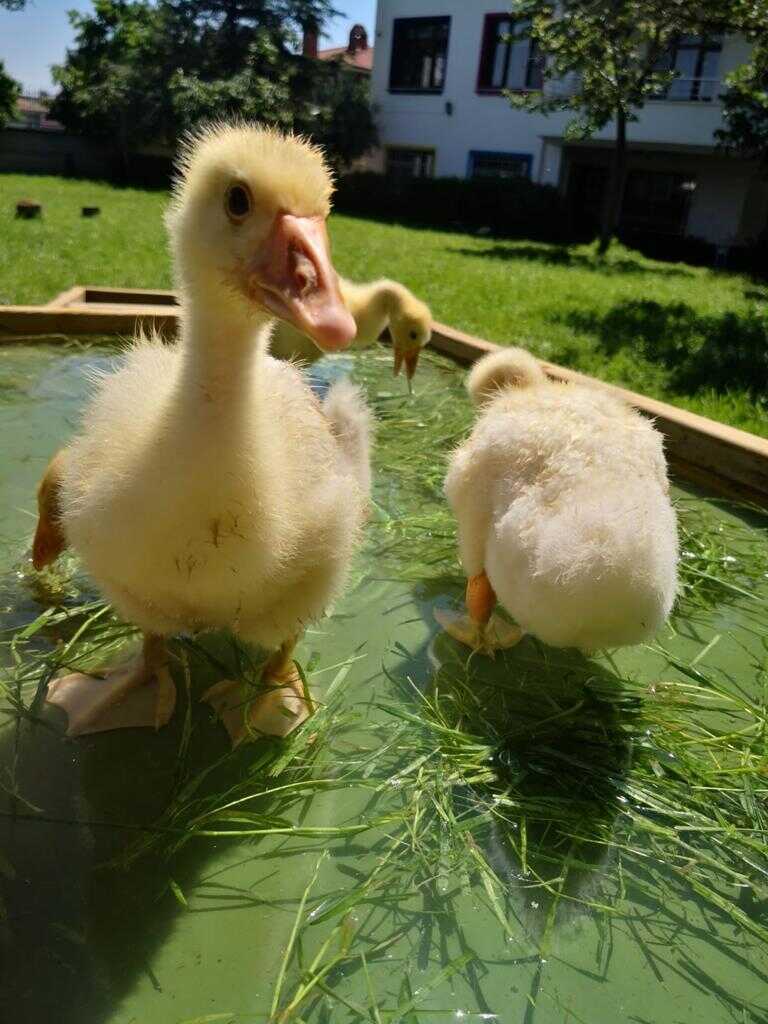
{"type": "Point", "coordinates": [686, 334]}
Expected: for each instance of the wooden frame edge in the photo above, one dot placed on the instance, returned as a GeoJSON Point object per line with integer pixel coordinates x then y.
{"type": "Point", "coordinates": [74, 294]}
{"type": "Point", "coordinates": [728, 461]}
{"type": "Point", "coordinates": [18, 323]}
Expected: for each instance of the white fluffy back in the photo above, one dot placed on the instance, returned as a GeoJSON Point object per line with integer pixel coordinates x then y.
{"type": "Point", "coordinates": [582, 541]}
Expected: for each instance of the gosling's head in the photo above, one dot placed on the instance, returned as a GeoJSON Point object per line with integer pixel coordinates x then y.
{"type": "Point", "coordinates": [247, 224]}
{"type": "Point", "coordinates": [507, 368]}
{"type": "Point", "coordinates": [411, 330]}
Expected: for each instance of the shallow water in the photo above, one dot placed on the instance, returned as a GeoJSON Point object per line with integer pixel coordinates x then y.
{"type": "Point", "coordinates": [200, 933]}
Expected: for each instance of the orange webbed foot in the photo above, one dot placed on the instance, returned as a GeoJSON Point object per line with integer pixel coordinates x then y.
{"type": "Point", "coordinates": [274, 710]}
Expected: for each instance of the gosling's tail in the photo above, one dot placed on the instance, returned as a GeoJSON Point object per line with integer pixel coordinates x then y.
{"type": "Point", "coordinates": [352, 424]}
{"type": "Point", "coordinates": [508, 368]}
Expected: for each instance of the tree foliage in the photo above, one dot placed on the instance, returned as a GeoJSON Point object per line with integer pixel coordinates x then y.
{"type": "Point", "coordinates": [9, 88]}
{"type": "Point", "coordinates": [112, 83]}
{"type": "Point", "coordinates": [605, 59]}
{"type": "Point", "coordinates": [9, 94]}
{"type": "Point", "coordinates": [745, 108]}
{"type": "Point", "coordinates": [143, 72]}
{"type": "Point", "coordinates": [341, 119]}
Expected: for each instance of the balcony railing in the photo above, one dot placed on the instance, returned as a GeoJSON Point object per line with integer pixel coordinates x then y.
{"type": "Point", "coordinates": [692, 90]}
{"type": "Point", "coordinates": [681, 90]}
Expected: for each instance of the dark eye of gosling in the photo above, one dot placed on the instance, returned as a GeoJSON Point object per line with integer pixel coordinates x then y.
{"type": "Point", "coordinates": [238, 202]}
{"type": "Point", "coordinates": [414, 335]}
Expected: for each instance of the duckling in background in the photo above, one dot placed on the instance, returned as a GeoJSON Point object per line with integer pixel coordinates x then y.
{"type": "Point", "coordinates": [374, 306]}
{"type": "Point", "coordinates": [562, 501]}
{"type": "Point", "coordinates": [207, 487]}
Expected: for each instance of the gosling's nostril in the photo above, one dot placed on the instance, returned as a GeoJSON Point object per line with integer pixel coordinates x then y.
{"type": "Point", "coordinates": [304, 273]}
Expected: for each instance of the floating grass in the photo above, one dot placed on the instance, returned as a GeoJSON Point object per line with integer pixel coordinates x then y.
{"type": "Point", "coordinates": [444, 820]}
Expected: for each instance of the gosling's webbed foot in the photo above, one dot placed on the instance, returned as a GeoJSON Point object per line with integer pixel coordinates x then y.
{"type": "Point", "coordinates": [275, 709]}
{"type": "Point", "coordinates": [495, 635]}
{"type": "Point", "coordinates": [126, 698]}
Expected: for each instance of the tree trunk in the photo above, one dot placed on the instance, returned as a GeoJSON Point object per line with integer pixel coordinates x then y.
{"type": "Point", "coordinates": [618, 173]}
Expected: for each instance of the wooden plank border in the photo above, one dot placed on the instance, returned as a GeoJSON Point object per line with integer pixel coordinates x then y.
{"type": "Point", "coordinates": [728, 461]}
{"type": "Point", "coordinates": [129, 296]}
{"type": "Point", "coordinates": [71, 295]}
{"type": "Point", "coordinates": [19, 323]}
{"type": "Point", "coordinates": [718, 457]}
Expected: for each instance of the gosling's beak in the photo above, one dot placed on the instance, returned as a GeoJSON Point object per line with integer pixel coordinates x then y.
{"type": "Point", "coordinates": [408, 358]}
{"type": "Point", "coordinates": [296, 281]}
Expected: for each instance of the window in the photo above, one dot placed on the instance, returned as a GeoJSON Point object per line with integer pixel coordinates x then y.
{"type": "Point", "coordinates": [499, 165]}
{"type": "Point", "coordinates": [696, 60]}
{"type": "Point", "coordinates": [657, 201]}
{"type": "Point", "coordinates": [419, 54]}
{"type": "Point", "coordinates": [508, 64]}
{"type": "Point", "coordinates": [403, 163]}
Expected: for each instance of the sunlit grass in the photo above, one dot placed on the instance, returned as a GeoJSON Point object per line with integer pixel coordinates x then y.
{"type": "Point", "coordinates": [687, 334]}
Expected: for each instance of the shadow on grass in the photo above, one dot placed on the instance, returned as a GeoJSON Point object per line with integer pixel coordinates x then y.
{"type": "Point", "coordinates": [556, 731]}
{"type": "Point", "coordinates": [564, 256]}
{"type": "Point", "coordinates": [726, 351]}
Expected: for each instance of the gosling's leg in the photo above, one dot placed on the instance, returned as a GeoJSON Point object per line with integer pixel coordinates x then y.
{"type": "Point", "coordinates": [276, 708]}
{"type": "Point", "coordinates": [141, 693]}
{"type": "Point", "coordinates": [49, 540]}
{"type": "Point", "coordinates": [480, 629]}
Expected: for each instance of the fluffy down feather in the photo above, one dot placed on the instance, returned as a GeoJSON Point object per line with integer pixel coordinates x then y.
{"type": "Point", "coordinates": [184, 529]}
{"type": "Point", "coordinates": [561, 496]}
{"type": "Point", "coordinates": [206, 487]}
{"type": "Point", "coordinates": [351, 423]}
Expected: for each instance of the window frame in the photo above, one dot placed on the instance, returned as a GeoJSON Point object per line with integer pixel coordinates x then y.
{"type": "Point", "coordinates": [713, 44]}
{"type": "Point", "coordinates": [526, 158]}
{"type": "Point", "coordinates": [431, 151]}
{"type": "Point", "coordinates": [410, 90]}
{"type": "Point", "coordinates": [487, 45]}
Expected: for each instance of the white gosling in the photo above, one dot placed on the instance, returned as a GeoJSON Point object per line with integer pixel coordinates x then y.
{"type": "Point", "coordinates": [207, 488]}
{"type": "Point", "coordinates": [562, 501]}
{"type": "Point", "coordinates": [374, 306]}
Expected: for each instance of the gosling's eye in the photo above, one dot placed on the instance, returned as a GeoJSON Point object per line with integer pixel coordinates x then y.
{"type": "Point", "coordinates": [414, 335]}
{"type": "Point", "coordinates": [237, 202]}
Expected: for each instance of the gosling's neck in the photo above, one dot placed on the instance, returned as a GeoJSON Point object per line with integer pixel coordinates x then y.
{"type": "Point", "coordinates": [222, 340]}
{"type": "Point", "coordinates": [389, 297]}
{"type": "Point", "coordinates": [374, 306]}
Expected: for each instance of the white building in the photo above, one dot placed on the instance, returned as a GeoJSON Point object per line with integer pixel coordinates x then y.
{"type": "Point", "coordinates": [437, 79]}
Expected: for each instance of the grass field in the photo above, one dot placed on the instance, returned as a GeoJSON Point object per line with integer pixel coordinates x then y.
{"type": "Point", "coordinates": [686, 334]}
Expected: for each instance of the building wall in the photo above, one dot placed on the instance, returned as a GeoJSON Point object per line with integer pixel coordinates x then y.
{"type": "Point", "coordinates": [477, 122]}
{"type": "Point", "coordinates": [729, 205]}
{"type": "Point", "coordinates": [718, 211]}
{"type": "Point", "coordinates": [725, 207]}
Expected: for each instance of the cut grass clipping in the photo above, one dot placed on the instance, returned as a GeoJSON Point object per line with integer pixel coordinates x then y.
{"type": "Point", "coordinates": [555, 782]}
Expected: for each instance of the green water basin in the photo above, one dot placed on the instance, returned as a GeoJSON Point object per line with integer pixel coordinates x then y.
{"type": "Point", "coordinates": [394, 861]}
